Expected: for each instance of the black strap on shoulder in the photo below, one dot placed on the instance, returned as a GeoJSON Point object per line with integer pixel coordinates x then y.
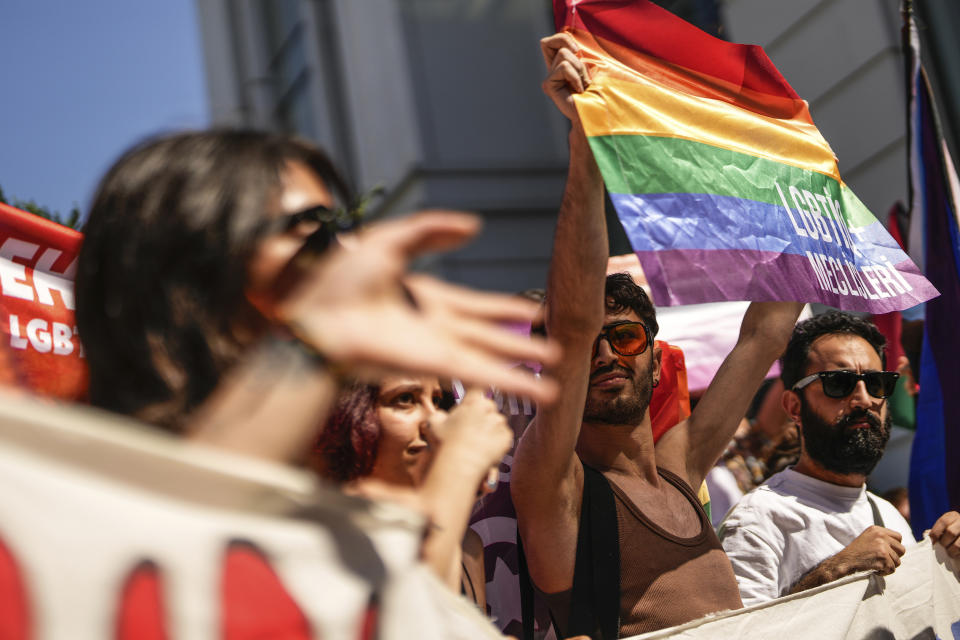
{"type": "Point", "coordinates": [877, 519]}
{"type": "Point", "coordinates": [526, 592]}
{"type": "Point", "coordinates": [595, 601]}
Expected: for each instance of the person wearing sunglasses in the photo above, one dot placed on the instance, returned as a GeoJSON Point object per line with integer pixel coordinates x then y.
{"type": "Point", "coordinates": [589, 462]}
{"type": "Point", "coordinates": [218, 304]}
{"type": "Point", "coordinates": [201, 247]}
{"type": "Point", "coordinates": [815, 522]}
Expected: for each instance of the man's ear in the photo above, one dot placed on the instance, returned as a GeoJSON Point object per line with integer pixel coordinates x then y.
{"type": "Point", "coordinates": [657, 362]}
{"type": "Point", "coordinates": [790, 401]}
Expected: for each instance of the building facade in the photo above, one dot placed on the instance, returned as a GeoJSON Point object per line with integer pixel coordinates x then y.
{"type": "Point", "coordinates": [439, 101]}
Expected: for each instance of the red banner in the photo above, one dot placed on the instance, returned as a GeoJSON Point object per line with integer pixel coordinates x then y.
{"type": "Point", "coordinates": [39, 346]}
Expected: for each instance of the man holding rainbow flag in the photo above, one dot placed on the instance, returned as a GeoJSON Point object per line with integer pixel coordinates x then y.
{"type": "Point", "coordinates": [727, 192]}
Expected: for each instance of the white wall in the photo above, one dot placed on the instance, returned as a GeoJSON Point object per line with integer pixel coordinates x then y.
{"type": "Point", "coordinates": [843, 57]}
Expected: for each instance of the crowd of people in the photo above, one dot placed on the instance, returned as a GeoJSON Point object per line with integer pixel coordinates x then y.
{"type": "Point", "coordinates": [225, 296]}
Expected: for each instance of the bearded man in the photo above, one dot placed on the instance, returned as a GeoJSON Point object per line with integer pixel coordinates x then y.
{"type": "Point", "coordinates": [615, 538]}
{"type": "Point", "coordinates": [815, 522]}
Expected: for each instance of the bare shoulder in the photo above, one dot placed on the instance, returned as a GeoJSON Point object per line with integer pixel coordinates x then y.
{"type": "Point", "coordinates": [672, 450]}
{"type": "Point", "coordinates": [474, 578]}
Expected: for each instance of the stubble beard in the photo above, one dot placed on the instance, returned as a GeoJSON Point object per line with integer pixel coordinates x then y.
{"type": "Point", "coordinates": [625, 408]}
{"type": "Point", "coordinates": [841, 448]}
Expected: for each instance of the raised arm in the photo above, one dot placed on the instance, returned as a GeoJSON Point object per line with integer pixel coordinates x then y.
{"type": "Point", "coordinates": [547, 478]}
{"type": "Point", "coordinates": [694, 446]}
{"type": "Point", "coordinates": [474, 437]}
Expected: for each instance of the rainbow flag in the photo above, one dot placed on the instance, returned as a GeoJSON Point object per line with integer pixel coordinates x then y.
{"type": "Point", "coordinates": [722, 182]}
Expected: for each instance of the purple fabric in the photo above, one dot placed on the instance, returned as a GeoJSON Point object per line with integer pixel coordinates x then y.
{"type": "Point", "coordinates": [688, 276]}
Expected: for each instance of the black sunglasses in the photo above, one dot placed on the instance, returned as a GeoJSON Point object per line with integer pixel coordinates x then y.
{"type": "Point", "coordinates": [841, 383]}
{"type": "Point", "coordinates": [626, 338]}
{"type": "Point", "coordinates": [330, 221]}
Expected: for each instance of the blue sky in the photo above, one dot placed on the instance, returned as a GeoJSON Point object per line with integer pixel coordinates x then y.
{"type": "Point", "coordinates": [80, 81]}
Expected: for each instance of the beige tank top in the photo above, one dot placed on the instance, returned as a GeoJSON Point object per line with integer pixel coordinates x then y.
{"type": "Point", "coordinates": [666, 580]}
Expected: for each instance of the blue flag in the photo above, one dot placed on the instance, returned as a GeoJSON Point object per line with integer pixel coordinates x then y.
{"type": "Point", "coordinates": [934, 245]}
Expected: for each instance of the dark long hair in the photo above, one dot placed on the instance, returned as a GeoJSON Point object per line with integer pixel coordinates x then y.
{"type": "Point", "coordinates": [163, 267]}
{"type": "Point", "coordinates": [347, 447]}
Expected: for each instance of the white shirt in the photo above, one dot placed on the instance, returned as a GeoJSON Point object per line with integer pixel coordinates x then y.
{"type": "Point", "coordinates": [724, 493]}
{"type": "Point", "coordinates": [790, 524]}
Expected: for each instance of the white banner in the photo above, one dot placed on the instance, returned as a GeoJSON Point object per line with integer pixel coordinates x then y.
{"type": "Point", "coordinates": [921, 599]}
{"type": "Point", "coordinates": [226, 544]}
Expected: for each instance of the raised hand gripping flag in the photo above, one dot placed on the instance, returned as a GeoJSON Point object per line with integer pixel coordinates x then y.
{"type": "Point", "coordinates": [722, 182]}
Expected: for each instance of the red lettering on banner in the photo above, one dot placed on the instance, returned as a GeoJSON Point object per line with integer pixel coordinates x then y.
{"type": "Point", "coordinates": [255, 602]}
{"type": "Point", "coordinates": [14, 606]}
{"type": "Point", "coordinates": [141, 614]}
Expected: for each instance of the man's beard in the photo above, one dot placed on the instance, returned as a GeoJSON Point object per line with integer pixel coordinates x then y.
{"type": "Point", "coordinates": [841, 447]}
{"type": "Point", "coordinates": [625, 408]}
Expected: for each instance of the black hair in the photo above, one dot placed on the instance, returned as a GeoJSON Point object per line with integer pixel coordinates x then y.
{"type": "Point", "coordinates": [793, 363]}
{"type": "Point", "coordinates": [162, 271]}
{"type": "Point", "coordinates": [623, 294]}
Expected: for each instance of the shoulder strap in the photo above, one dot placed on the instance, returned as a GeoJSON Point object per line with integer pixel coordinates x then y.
{"type": "Point", "coordinates": [877, 519]}
{"type": "Point", "coordinates": [526, 592]}
{"type": "Point", "coordinates": [595, 601]}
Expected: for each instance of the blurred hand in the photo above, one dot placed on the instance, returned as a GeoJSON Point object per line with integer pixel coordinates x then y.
{"type": "Point", "coordinates": [567, 74]}
{"type": "Point", "coordinates": [353, 305]}
{"type": "Point", "coordinates": [946, 532]}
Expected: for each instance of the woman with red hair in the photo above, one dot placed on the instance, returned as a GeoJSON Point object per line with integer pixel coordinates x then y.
{"type": "Point", "coordinates": [398, 435]}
